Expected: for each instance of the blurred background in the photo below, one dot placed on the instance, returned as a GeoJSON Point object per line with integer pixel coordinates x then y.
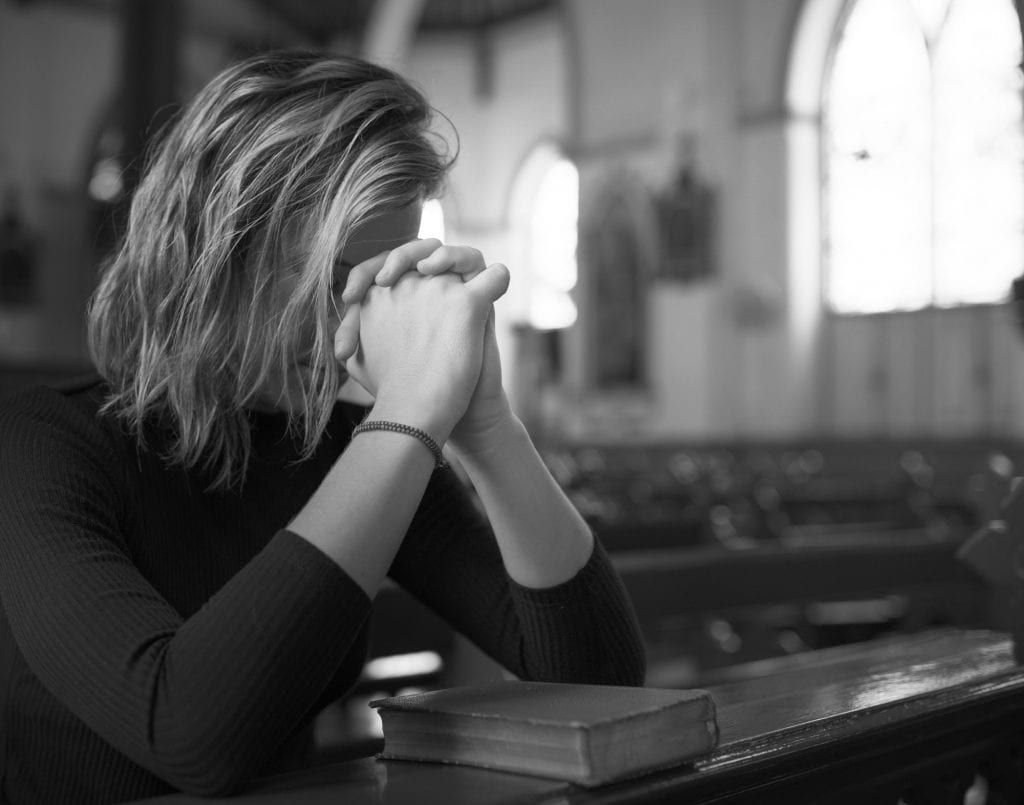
{"type": "Point", "coordinates": [724, 218]}
{"type": "Point", "coordinates": [763, 253]}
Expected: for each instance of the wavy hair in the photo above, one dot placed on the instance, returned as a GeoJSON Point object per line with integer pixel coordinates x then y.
{"type": "Point", "coordinates": [187, 323]}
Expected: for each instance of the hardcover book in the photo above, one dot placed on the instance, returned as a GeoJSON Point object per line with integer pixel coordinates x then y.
{"type": "Point", "coordinates": [585, 734]}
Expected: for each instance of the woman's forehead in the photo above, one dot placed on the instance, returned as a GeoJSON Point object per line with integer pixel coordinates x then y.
{"type": "Point", "coordinates": [383, 232]}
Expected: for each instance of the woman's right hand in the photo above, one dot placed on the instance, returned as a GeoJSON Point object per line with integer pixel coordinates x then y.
{"type": "Point", "coordinates": [421, 345]}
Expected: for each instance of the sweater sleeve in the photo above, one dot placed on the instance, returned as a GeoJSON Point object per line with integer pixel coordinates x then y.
{"type": "Point", "coordinates": [202, 703]}
{"type": "Point", "coordinates": [583, 630]}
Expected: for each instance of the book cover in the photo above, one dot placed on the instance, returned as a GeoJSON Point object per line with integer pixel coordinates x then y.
{"type": "Point", "coordinates": [585, 734]}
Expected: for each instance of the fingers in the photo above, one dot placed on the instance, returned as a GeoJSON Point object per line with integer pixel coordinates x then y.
{"type": "Point", "coordinates": [385, 268]}
{"type": "Point", "coordinates": [404, 259]}
{"type": "Point", "coordinates": [491, 283]}
{"type": "Point", "coordinates": [346, 337]}
{"type": "Point", "coordinates": [463, 260]}
{"type": "Point", "coordinates": [428, 256]}
{"type": "Point", "coordinates": [361, 278]}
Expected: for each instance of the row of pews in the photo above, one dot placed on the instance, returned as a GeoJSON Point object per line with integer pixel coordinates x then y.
{"type": "Point", "coordinates": [738, 553]}
{"type": "Point", "coordinates": [819, 593]}
{"type": "Point", "coordinates": [734, 553]}
{"type": "Point", "coordinates": [736, 495]}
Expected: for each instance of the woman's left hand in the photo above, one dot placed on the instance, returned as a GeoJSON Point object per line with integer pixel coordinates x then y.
{"type": "Point", "coordinates": [489, 406]}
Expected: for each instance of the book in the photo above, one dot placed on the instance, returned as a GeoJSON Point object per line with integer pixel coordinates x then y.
{"type": "Point", "coordinates": [585, 734]}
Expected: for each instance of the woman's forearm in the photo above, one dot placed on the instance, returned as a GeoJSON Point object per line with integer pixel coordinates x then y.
{"type": "Point", "coordinates": [543, 539]}
{"type": "Point", "coordinates": [362, 509]}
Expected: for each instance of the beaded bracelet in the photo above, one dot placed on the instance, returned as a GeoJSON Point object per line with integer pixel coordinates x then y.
{"type": "Point", "coordinates": [408, 430]}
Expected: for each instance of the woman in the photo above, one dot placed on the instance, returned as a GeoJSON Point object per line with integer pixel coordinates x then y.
{"type": "Point", "coordinates": [191, 542]}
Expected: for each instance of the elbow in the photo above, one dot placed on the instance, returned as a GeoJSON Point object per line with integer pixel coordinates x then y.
{"type": "Point", "coordinates": [207, 762]}
{"type": "Point", "coordinates": [211, 778]}
{"type": "Point", "coordinates": [216, 788]}
{"type": "Point", "coordinates": [218, 783]}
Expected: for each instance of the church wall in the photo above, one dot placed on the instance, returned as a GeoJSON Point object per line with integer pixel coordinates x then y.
{"type": "Point", "coordinates": [502, 108]}
{"type": "Point", "coordinates": [58, 67]}
{"type": "Point", "coordinates": [623, 87]}
{"type": "Point", "coordinates": [751, 352]}
{"type": "Point", "coordinates": [720, 348]}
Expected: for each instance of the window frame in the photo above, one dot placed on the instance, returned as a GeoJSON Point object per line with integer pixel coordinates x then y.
{"type": "Point", "coordinates": [840, 18]}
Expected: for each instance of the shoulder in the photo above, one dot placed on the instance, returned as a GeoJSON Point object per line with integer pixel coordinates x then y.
{"type": "Point", "coordinates": [73, 401]}
{"type": "Point", "coordinates": [47, 423]}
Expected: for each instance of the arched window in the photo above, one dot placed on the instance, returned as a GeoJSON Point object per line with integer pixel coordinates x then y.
{"type": "Point", "coordinates": [552, 247]}
{"type": "Point", "coordinates": [544, 216]}
{"type": "Point", "coordinates": [432, 220]}
{"type": "Point", "coordinates": [924, 155]}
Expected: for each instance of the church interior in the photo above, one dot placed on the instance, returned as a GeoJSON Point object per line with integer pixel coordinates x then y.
{"type": "Point", "coordinates": [742, 235]}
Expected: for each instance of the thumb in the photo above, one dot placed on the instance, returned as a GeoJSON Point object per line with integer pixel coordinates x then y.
{"type": "Point", "coordinates": [346, 338]}
{"type": "Point", "coordinates": [491, 283]}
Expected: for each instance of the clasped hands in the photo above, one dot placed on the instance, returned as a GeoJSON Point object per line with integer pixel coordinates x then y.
{"type": "Point", "coordinates": [418, 334]}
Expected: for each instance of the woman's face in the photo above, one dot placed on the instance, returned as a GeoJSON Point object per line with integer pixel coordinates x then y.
{"type": "Point", "coordinates": [391, 228]}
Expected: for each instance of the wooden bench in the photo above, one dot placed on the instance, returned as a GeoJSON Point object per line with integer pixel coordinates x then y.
{"type": "Point", "coordinates": [702, 610]}
{"type": "Point", "coordinates": [699, 580]}
{"type": "Point", "coordinates": [656, 495]}
{"type": "Point", "coordinates": [913, 720]}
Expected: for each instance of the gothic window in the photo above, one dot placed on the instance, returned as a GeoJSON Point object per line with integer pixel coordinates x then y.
{"type": "Point", "coordinates": [551, 247]}
{"type": "Point", "coordinates": [924, 155]}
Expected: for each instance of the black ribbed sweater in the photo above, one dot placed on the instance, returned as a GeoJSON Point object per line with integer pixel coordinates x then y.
{"type": "Point", "coordinates": [157, 637]}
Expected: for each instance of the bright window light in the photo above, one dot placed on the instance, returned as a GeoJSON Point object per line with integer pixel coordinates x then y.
{"type": "Point", "coordinates": [418, 663]}
{"type": "Point", "coordinates": [552, 248]}
{"type": "Point", "coordinates": [924, 148]}
{"type": "Point", "coordinates": [432, 220]}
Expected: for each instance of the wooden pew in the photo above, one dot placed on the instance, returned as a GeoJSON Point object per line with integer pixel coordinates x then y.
{"type": "Point", "coordinates": [918, 719]}
{"type": "Point", "coordinates": [690, 494]}
{"type": "Point", "coordinates": [703, 609]}
{"type": "Point", "coordinates": [698, 580]}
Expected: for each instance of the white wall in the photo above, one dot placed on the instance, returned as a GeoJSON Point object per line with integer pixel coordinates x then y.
{"type": "Point", "coordinates": [525, 104]}
{"type": "Point", "coordinates": [714, 70]}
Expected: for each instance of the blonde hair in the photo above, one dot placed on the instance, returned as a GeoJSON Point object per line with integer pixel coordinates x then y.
{"type": "Point", "coordinates": [186, 324]}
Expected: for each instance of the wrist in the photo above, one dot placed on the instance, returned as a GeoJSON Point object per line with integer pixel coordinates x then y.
{"type": "Point", "coordinates": [387, 426]}
{"type": "Point", "coordinates": [429, 418]}
{"type": "Point", "coordinates": [502, 431]}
